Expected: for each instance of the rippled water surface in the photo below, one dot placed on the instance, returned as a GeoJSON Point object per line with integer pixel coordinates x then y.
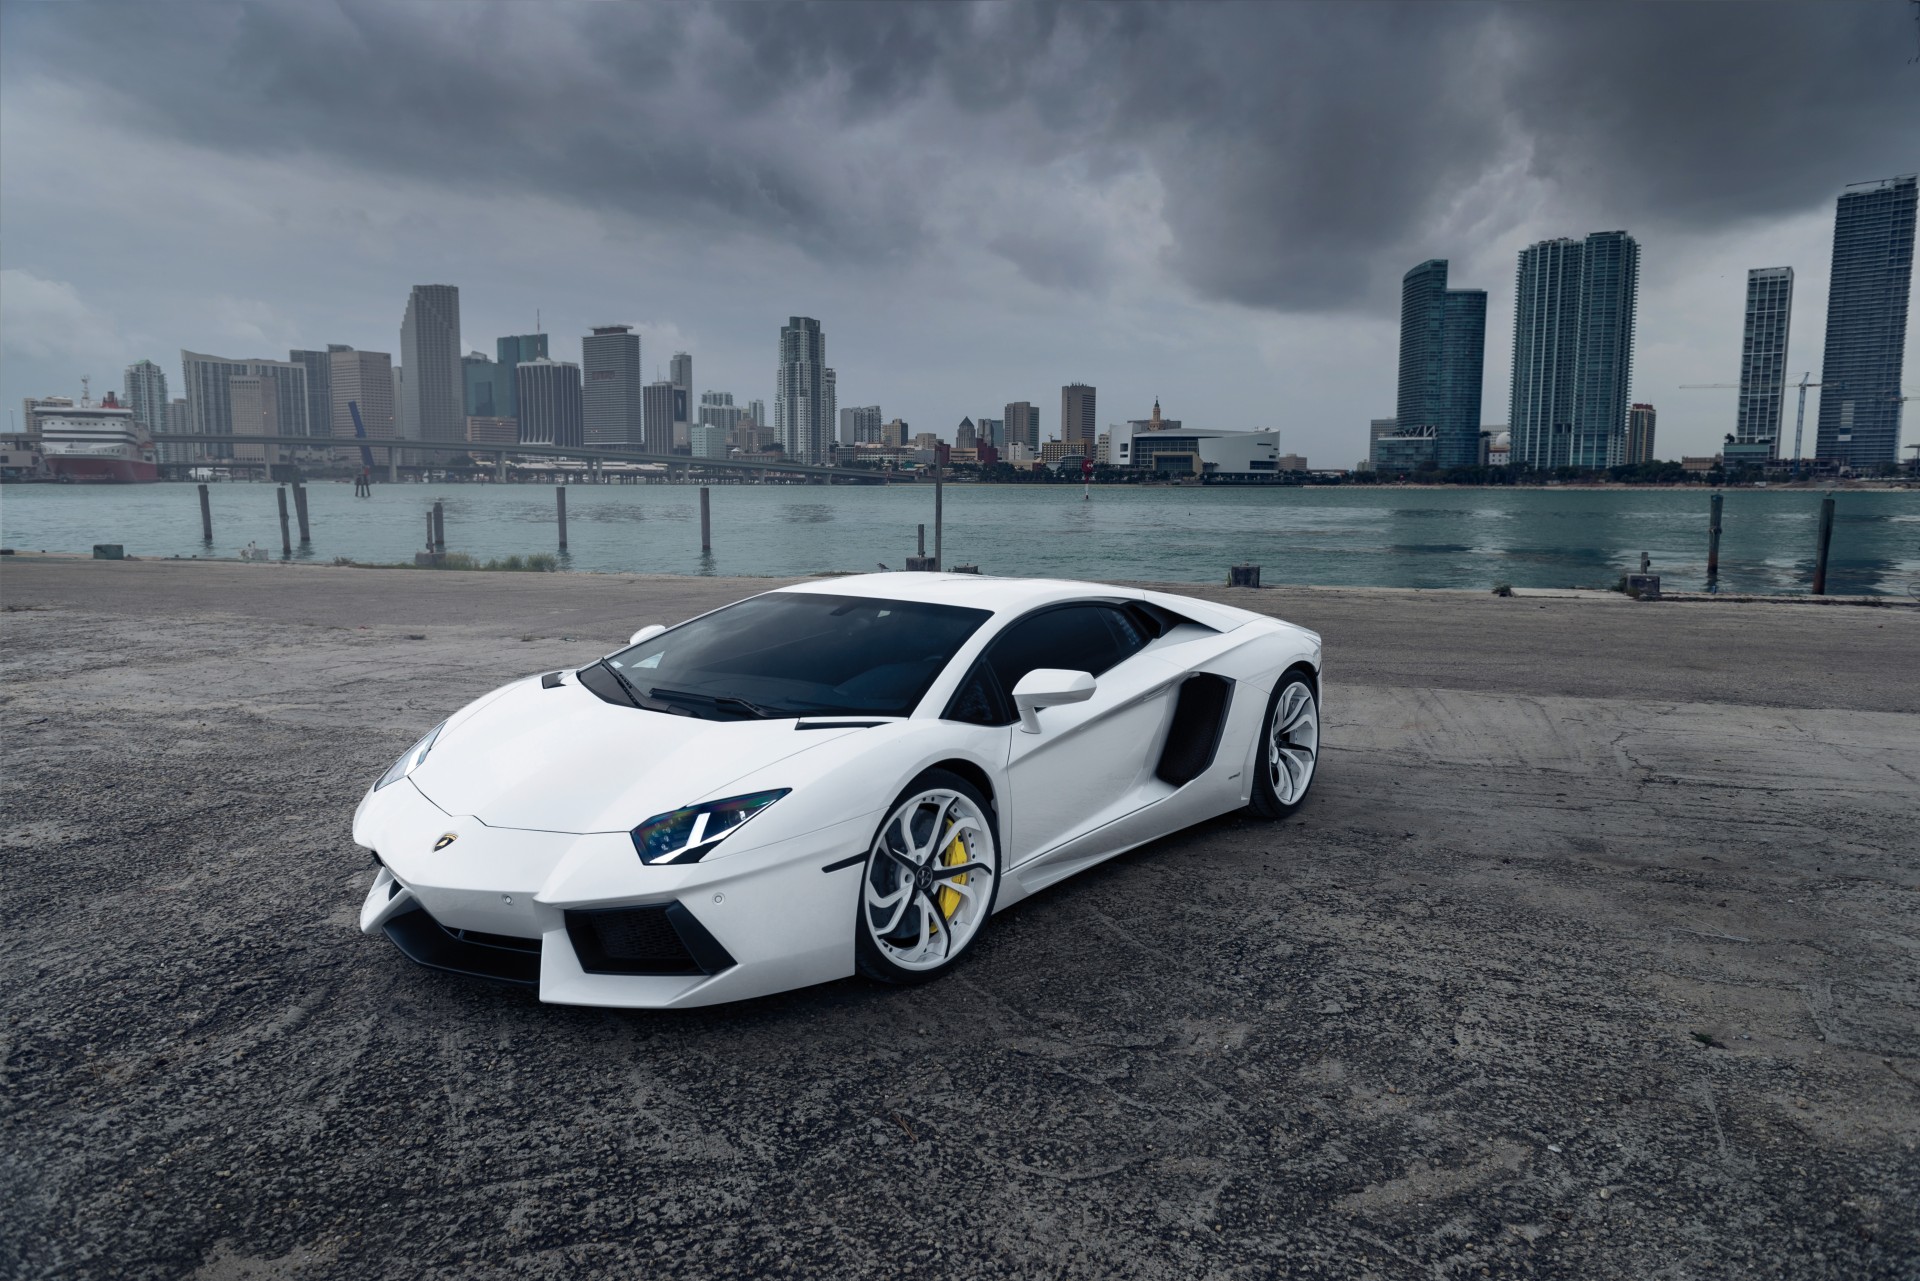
{"type": "Point", "coordinates": [1332, 536]}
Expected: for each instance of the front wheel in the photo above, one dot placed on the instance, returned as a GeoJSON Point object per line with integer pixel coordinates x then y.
{"type": "Point", "coordinates": [1289, 748]}
{"type": "Point", "coordinates": [929, 880]}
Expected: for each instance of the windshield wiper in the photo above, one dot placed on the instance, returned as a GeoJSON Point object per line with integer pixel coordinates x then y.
{"type": "Point", "coordinates": [718, 700]}
{"type": "Point", "coordinates": [627, 687]}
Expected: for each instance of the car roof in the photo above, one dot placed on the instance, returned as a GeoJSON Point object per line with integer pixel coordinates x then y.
{"type": "Point", "coordinates": [1010, 595]}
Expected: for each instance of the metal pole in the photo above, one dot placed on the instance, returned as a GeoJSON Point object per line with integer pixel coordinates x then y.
{"type": "Point", "coordinates": [286, 535]}
{"type": "Point", "coordinates": [1713, 539]}
{"type": "Point", "coordinates": [923, 538]}
{"type": "Point", "coordinates": [439, 527]}
{"type": "Point", "coordinates": [393, 465]}
{"type": "Point", "coordinates": [500, 466]}
{"type": "Point", "coordinates": [1826, 542]}
{"type": "Point", "coordinates": [560, 498]}
{"type": "Point", "coordinates": [300, 510]}
{"type": "Point", "coordinates": [706, 522]}
{"type": "Point", "coordinates": [206, 516]}
{"type": "Point", "coordinates": [1799, 422]}
{"type": "Point", "coordinates": [939, 518]}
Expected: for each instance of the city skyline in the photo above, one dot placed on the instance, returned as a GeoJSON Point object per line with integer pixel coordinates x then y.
{"type": "Point", "coordinates": [1238, 282]}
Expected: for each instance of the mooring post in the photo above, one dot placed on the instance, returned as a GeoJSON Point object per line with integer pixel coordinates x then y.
{"type": "Point", "coordinates": [500, 467]}
{"type": "Point", "coordinates": [429, 533]}
{"type": "Point", "coordinates": [939, 518]}
{"type": "Point", "coordinates": [286, 535]}
{"type": "Point", "coordinates": [1713, 538]}
{"type": "Point", "coordinates": [393, 465]}
{"type": "Point", "coordinates": [439, 527]}
{"type": "Point", "coordinates": [560, 501]}
{"type": "Point", "coordinates": [206, 516]}
{"type": "Point", "coordinates": [300, 510]}
{"type": "Point", "coordinates": [923, 540]}
{"type": "Point", "coordinates": [706, 522]}
{"type": "Point", "coordinates": [1826, 543]}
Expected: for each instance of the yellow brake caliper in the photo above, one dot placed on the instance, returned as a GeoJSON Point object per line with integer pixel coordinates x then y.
{"type": "Point", "coordinates": [948, 899]}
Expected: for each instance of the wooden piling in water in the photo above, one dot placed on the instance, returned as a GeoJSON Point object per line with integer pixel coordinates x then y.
{"type": "Point", "coordinates": [939, 517]}
{"type": "Point", "coordinates": [1825, 545]}
{"type": "Point", "coordinates": [1713, 538]}
{"type": "Point", "coordinates": [286, 534]}
{"type": "Point", "coordinates": [439, 527]}
{"type": "Point", "coordinates": [206, 516]}
{"type": "Point", "coordinates": [922, 549]}
{"type": "Point", "coordinates": [706, 523]}
{"type": "Point", "coordinates": [560, 502]}
{"type": "Point", "coordinates": [300, 510]}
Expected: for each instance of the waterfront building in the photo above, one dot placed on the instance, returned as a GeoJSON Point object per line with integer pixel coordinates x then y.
{"type": "Point", "coordinates": [927, 440]}
{"type": "Point", "coordinates": [483, 384]}
{"type": "Point", "coordinates": [860, 425]}
{"type": "Point", "coordinates": [658, 407]}
{"type": "Point", "coordinates": [964, 436]}
{"type": "Point", "coordinates": [1763, 366]}
{"type": "Point", "coordinates": [1406, 449]}
{"type": "Point", "coordinates": [707, 441]}
{"type": "Point", "coordinates": [757, 410]}
{"type": "Point", "coordinates": [610, 366]}
{"type": "Point", "coordinates": [1078, 425]}
{"type": "Point", "coordinates": [254, 402]}
{"type": "Point", "coordinates": [1443, 335]}
{"type": "Point", "coordinates": [1640, 421]}
{"type": "Point", "coordinates": [145, 394]}
{"type": "Point", "coordinates": [319, 367]}
{"type": "Point", "coordinates": [549, 395]}
{"type": "Point", "coordinates": [209, 402]}
{"type": "Point", "coordinates": [176, 421]}
{"type": "Point", "coordinates": [1023, 425]}
{"type": "Point", "coordinates": [1500, 446]}
{"type": "Point", "coordinates": [510, 353]}
{"type": "Point", "coordinates": [1378, 427]}
{"type": "Point", "coordinates": [433, 399]}
{"type": "Point", "coordinates": [493, 430]}
{"type": "Point", "coordinates": [894, 433]}
{"type": "Point", "coordinates": [363, 378]}
{"type": "Point", "coordinates": [991, 431]}
{"type": "Point", "coordinates": [1191, 451]}
{"type": "Point", "coordinates": [1574, 315]}
{"type": "Point", "coordinates": [801, 399]}
{"type": "Point", "coordinates": [1860, 396]}
{"type": "Point", "coordinates": [680, 374]}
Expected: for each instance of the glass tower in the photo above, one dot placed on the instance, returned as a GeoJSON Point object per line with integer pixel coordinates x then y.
{"type": "Point", "coordinates": [1443, 338]}
{"type": "Point", "coordinates": [511, 352]}
{"type": "Point", "coordinates": [1867, 323]}
{"type": "Point", "coordinates": [1763, 360]}
{"type": "Point", "coordinates": [1573, 330]}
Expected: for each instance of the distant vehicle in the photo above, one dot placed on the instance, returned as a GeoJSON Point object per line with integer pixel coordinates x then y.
{"type": "Point", "coordinates": [837, 777]}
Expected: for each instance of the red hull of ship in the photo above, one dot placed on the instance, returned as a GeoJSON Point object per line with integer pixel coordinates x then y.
{"type": "Point", "coordinates": [102, 471]}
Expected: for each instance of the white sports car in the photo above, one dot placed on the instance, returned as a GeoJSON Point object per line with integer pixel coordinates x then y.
{"type": "Point", "coordinates": [845, 776]}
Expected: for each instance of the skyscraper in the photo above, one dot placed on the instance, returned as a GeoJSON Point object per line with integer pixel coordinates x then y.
{"type": "Point", "coordinates": [800, 418]}
{"type": "Point", "coordinates": [146, 395]}
{"type": "Point", "coordinates": [482, 383]}
{"type": "Point", "coordinates": [830, 400]}
{"type": "Point", "coordinates": [610, 362]}
{"type": "Point", "coordinates": [1609, 297]}
{"type": "Point", "coordinates": [548, 395]}
{"type": "Point", "coordinates": [430, 353]}
{"type": "Point", "coordinates": [860, 425]}
{"type": "Point", "coordinates": [718, 410]}
{"type": "Point", "coordinates": [1873, 229]}
{"type": "Point", "coordinates": [209, 400]}
{"type": "Point", "coordinates": [1639, 434]}
{"type": "Point", "coordinates": [1443, 336]}
{"type": "Point", "coordinates": [510, 353]}
{"type": "Point", "coordinates": [363, 378]}
{"type": "Point", "coordinates": [319, 367]}
{"type": "Point", "coordinates": [1763, 361]}
{"type": "Point", "coordinates": [1573, 327]}
{"type": "Point", "coordinates": [966, 435]}
{"type": "Point", "coordinates": [680, 374]}
{"type": "Point", "coordinates": [660, 397]}
{"type": "Point", "coordinates": [1023, 425]}
{"type": "Point", "coordinates": [1078, 427]}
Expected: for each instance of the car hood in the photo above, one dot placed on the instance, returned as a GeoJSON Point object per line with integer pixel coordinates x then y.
{"type": "Point", "coordinates": [563, 760]}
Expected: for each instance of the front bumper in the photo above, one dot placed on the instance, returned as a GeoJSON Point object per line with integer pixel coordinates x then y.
{"type": "Point", "coordinates": [583, 920]}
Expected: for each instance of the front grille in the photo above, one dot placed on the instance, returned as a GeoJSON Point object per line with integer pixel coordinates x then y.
{"type": "Point", "coordinates": [490, 956]}
{"type": "Point", "coordinates": [506, 942]}
{"type": "Point", "coordinates": [658, 938]}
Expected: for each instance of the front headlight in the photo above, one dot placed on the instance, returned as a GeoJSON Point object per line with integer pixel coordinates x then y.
{"type": "Point", "coordinates": [685, 836]}
{"type": "Point", "coordinates": [411, 761]}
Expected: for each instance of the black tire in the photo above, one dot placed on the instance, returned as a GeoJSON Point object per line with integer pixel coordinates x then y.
{"type": "Point", "coordinates": [1273, 799]}
{"type": "Point", "coordinates": [887, 955]}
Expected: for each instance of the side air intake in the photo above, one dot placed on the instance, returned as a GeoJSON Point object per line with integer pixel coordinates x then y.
{"type": "Point", "coordinates": [1198, 719]}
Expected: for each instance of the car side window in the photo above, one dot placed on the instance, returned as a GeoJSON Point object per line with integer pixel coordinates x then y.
{"type": "Point", "coordinates": [1089, 638]}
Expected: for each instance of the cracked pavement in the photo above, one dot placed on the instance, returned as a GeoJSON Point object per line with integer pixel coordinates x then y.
{"type": "Point", "coordinates": [1594, 954]}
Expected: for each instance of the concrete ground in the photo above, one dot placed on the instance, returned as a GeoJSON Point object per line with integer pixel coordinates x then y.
{"type": "Point", "coordinates": [1594, 954]}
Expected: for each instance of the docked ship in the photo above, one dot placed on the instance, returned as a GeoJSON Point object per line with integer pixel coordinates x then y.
{"type": "Point", "coordinates": [92, 443]}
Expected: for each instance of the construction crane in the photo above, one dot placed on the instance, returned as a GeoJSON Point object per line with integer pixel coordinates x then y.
{"type": "Point", "coordinates": [360, 431]}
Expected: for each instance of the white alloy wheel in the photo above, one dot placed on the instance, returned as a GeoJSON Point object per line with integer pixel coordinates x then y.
{"type": "Point", "coordinates": [928, 883]}
{"type": "Point", "coordinates": [1290, 748]}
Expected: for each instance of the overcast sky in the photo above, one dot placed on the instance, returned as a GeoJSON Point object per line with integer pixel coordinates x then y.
{"type": "Point", "coordinates": [1211, 203]}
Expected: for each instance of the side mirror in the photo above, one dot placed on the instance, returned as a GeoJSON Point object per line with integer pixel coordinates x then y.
{"type": "Point", "coordinates": [1049, 687]}
{"type": "Point", "coordinates": [648, 632]}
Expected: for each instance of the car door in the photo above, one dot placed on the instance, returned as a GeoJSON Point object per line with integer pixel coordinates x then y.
{"type": "Point", "coordinates": [1088, 763]}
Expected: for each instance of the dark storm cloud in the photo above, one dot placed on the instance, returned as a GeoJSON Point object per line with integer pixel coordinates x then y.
{"type": "Point", "coordinates": [1303, 151]}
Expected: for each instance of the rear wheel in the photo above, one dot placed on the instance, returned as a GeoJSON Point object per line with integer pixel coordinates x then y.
{"type": "Point", "coordinates": [1289, 753]}
{"type": "Point", "coordinates": [929, 881]}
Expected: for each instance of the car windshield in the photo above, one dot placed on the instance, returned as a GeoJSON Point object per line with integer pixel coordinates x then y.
{"type": "Point", "coordinates": [795, 654]}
